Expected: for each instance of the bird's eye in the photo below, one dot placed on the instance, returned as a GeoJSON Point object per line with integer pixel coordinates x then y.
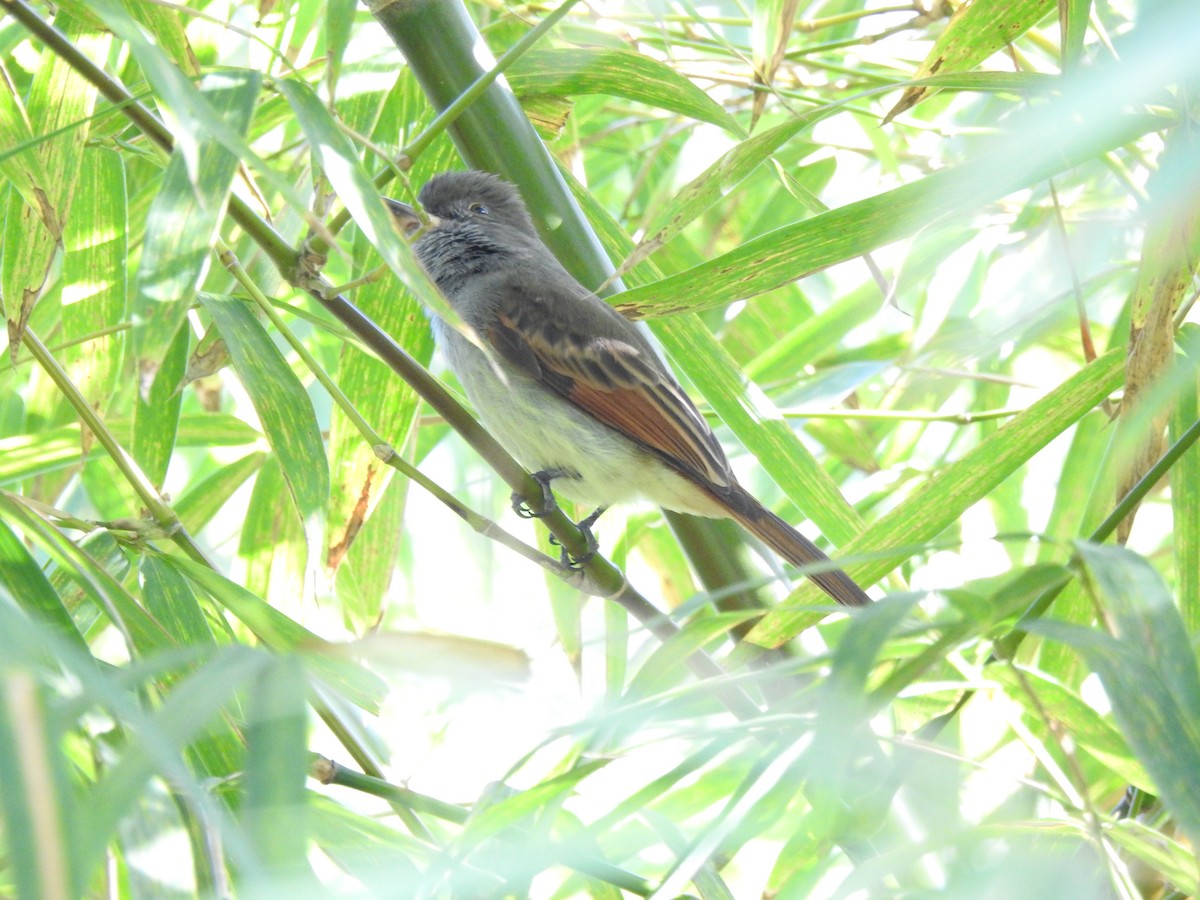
{"type": "Point", "coordinates": [478, 209]}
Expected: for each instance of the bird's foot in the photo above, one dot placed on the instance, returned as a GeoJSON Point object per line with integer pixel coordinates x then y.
{"type": "Point", "coordinates": [521, 506]}
{"type": "Point", "coordinates": [585, 528]}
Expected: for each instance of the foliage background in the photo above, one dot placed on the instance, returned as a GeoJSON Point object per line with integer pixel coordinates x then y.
{"type": "Point", "coordinates": [930, 271]}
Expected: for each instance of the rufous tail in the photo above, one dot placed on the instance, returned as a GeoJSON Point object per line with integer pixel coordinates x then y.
{"type": "Point", "coordinates": [800, 551]}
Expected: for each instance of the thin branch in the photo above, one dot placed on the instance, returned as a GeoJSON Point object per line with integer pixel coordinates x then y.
{"type": "Point", "coordinates": [327, 771]}
{"type": "Point", "coordinates": [162, 514]}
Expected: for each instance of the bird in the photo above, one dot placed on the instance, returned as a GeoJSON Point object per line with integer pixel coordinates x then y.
{"type": "Point", "coordinates": [570, 387]}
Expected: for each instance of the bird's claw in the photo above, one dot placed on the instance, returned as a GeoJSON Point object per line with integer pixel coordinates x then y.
{"type": "Point", "coordinates": [521, 505]}
{"type": "Point", "coordinates": [578, 562]}
{"type": "Point", "coordinates": [589, 540]}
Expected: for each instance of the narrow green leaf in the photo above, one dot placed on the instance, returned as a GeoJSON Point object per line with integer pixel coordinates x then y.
{"type": "Point", "coordinates": [171, 601]}
{"type": "Point", "coordinates": [976, 31]}
{"type": "Point", "coordinates": [33, 454]}
{"type": "Point", "coordinates": [23, 170]}
{"type": "Point", "coordinates": [1143, 615]}
{"type": "Point", "coordinates": [198, 120]}
{"type": "Point", "coordinates": [272, 542]}
{"type": "Point", "coordinates": [186, 711]}
{"type": "Point", "coordinates": [277, 767]}
{"type": "Point", "coordinates": [143, 635]}
{"type": "Point", "coordinates": [771, 25]}
{"type": "Point", "coordinates": [389, 405]}
{"type": "Point", "coordinates": [1076, 13]}
{"type": "Point", "coordinates": [339, 19]}
{"type": "Point", "coordinates": [156, 410]}
{"type": "Point", "coordinates": [197, 507]}
{"type": "Point", "coordinates": [1176, 862]}
{"type": "Point", "coordinates": [1165, 740]}
{"type": "Point", "coordinates": [619, 73]}
{"type": "Point", "coordinates": [166, 27]}
{"type": "Point", "coordinates": [59, 100]}
{"type": "Point", "coordinates": [661, 669]}
{"type": "Point", "coordinates": [490, 819]}
{"type": "Point", "coordinates": [852, 230]}
{"type": "Point", "coordinates": [283, 408]}
{"type": "Point", "coordinates": [1095, 733]}
{"type": "Point", "coordinates": [280, 633]}
{"type": "Point", "coordinates": [718, 181]}
{"type": "Point", "coordinates": [36, 800]}
{"type": "Point", "coordinates": [1185, 511]}
{"type": "Point", "coordinates": [738, 805]}
{"type": "Point", "coordinates": [29, 587]}
{"type": "Point", "coordinates": [184, 219]}
{"type": "Point", "coordinates": [94, 296]}
{"type": "Point", "coordinates": [754, 419]}
{"type": "Point", "coordinates": [381, 857]}
{"type": "Point", "coordinates": [371, 562]}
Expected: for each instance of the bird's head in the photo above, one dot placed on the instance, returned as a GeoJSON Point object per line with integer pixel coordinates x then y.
{"type": "Point", "coordinates": [472, 216]}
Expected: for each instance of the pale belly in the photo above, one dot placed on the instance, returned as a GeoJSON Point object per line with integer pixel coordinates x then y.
{"type": "Point", "coordinates": [545, 432]}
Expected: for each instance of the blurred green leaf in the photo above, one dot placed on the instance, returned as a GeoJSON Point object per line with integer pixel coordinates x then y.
{"type": "Point", "coordinates": [277, 767]}
{"type": "Point", "coordinates": [859, 227]}
{"type": "Point", "coordinates": [1154, 689]}
{"type": "Point", "coordinates": [280, 633]}
{"type": "Point", "coordinates": [25, 583]}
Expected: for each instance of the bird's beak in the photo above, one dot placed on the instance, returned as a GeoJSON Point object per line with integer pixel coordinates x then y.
{"type": "Point", "coordinates": [407, 219]}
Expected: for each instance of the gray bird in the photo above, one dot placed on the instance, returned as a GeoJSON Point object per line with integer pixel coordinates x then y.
{"type": "Point", "coordinates": [573, 390]}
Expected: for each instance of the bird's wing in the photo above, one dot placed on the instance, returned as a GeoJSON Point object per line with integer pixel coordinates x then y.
{"type": "Point", "coordinates": [610, 375]}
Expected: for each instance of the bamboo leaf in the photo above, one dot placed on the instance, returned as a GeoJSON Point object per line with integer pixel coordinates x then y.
{"type": "Point", "coordinates": [272, 541]}
{"type": "Point", "coordinates": [25, 583]}
{"type": "Point", "coordinates": [976, 31]}
{"type": "Point", "coordinates": [36, 800]}
{"type": "Point", "coordinates": [716, 182]}
{"type": "Point", "coordinates": [1155, 697]}
{"type": "Point", "coordinates": [60, 102]}
{"type": "Point", "coordinates": [32, 454]}
{"type": "Point", "coordinates": [173, 603]}
{"type": "Point", "coordinates": [94, 276]}
{"type": "Point", "coordinates": [24, 170]}
{"type": "Point", "coordinates": [191, 705]}
{"type": "Point", "coordinates": [354, 187]}
{"type": "Point", "coordinates": [183, 221]}
{"type": "Point", "coordinates": [156, 410]}
{"type": "Point", "coordinates": [280, 633]}
{"type": "Point", "coordinates": [283, 408]}
{"type": "Point", "coordinates": [143, 635]}
{"type": "Point", "coordinates": [1185, 512]}
{"type": "Point", "coordinates": [166, 27]}
{"type": "Point", "coordinates": [277, 768]}
{"type": "Point", "coordinates": [766, 434]}
{"type": "Point", "coordinates": [619, 73]}
{"type": "Point", "coordinates": [853, 230]}
{"type": "Point", "coordinates": [200, 504]}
